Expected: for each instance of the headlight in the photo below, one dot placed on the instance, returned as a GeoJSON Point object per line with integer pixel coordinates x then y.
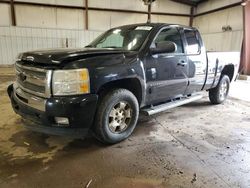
{"type": "Point", "coordinates": [70, 82]}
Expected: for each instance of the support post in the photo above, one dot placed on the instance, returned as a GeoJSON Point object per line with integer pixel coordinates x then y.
{"type": "Point", "coordinates": [86, 14]}
{"type": "Point", "coordinates": [13, 13]}
{"type": "Point", "coordinates": [149, 12]}
{"type": "Point", "coordinates": [246, 40]}
{"type": "Point", "coordinates": [191, 20]}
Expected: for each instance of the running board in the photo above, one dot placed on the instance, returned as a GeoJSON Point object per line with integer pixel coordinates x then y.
{"type": "Point", "coordinates": [166, 106]}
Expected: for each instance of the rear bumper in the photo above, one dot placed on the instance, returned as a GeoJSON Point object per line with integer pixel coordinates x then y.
{"type": "Point", "coordinates": [40, 116]}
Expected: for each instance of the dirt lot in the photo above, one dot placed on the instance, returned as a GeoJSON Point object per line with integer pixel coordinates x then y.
{"type": "Point", "coordinates": [197, 145]}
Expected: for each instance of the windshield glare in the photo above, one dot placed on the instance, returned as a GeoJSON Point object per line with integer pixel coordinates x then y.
{"type": "Point", "coordinates": [125, 38]}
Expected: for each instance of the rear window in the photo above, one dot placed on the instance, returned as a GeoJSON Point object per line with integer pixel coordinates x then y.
{"type": "Point", "coordinates": [192, 42]}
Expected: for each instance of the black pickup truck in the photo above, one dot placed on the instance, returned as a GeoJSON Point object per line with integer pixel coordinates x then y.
{"type": "Point", "coordinates": [101, 88]}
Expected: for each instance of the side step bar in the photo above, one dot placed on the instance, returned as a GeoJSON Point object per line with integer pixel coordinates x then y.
{"type": "Point", "coordinates": [166, 106]}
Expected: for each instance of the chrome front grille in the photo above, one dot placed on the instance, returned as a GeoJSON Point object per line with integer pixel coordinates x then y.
{"type": "Point", "coordinates": [33, 80]}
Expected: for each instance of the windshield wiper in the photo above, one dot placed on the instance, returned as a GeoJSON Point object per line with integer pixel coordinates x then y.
{"type": "Point", "coordinates": [89, 46]}
{"type": "Point", "coordinates": [111, 47]}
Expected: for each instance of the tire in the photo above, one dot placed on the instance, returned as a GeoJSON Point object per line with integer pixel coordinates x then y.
{"type": "Point", "coordinates": [116, 116]}
{"type": "Point", "coordinates": [219, 94]}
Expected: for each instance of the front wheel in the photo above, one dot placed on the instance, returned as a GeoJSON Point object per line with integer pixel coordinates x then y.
{"type": "Point", "coordinates": [219, 94]}
{"type": "Point", "coordinates": [116, 116]}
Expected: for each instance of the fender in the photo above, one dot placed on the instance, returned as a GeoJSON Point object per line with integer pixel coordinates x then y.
{"type": "Point", "coordinates": [110, 68]}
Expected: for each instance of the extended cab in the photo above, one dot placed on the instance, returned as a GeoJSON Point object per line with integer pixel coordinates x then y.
{"type": "Point", "coordinates": [101, 88]}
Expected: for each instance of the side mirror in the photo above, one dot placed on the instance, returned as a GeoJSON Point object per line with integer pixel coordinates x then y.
{"type": "Point", "coordinates": [164, 47]}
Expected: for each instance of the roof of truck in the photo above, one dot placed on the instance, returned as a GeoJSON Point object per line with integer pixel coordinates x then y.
{"type": "Point", "coordinates": [157, 25]}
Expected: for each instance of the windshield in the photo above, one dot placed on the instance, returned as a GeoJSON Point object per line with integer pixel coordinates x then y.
{"type": "Point", "coordinates": [124, 38]}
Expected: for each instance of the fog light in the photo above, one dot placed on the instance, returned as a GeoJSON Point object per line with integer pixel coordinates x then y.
{"type": "Point", "coordinates": [62, 120]}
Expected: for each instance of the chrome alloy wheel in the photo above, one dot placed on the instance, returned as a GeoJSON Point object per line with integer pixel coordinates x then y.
{"type": "Point", "coordinates": [223, 90]}
{"type": "Point", "coordinates": [120, 117]}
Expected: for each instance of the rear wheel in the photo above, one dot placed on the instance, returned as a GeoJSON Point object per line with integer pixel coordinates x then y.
{"type": "Point", "coordinates": [219, 94]}
{"type": "Point", "coordinates": [116, 116]}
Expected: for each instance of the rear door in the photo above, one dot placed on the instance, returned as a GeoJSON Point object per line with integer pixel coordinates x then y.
{"type": "Point", "coordinates": [167, 73]}
{"type": "Point", "coordinates": [197, 60]}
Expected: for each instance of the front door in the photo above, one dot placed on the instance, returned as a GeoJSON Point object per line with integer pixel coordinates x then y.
{"type": "Point", "coordinates": [167, 73]}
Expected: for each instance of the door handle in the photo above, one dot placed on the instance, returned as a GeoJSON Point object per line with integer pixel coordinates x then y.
{"type": "Point", "coordinates": [182, 63]}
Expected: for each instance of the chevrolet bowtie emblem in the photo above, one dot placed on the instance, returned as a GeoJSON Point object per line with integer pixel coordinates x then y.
{"type": "Point", "coordinates": [30, 58]}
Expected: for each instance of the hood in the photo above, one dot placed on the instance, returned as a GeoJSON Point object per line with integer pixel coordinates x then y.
{"type": "Point", "coordinates": [60, 56]}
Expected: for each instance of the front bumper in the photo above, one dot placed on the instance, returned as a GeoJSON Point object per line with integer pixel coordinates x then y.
{"type": "Point", "coordinates": [39, 114]}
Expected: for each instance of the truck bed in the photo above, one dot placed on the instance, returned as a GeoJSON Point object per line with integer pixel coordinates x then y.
{"type": "Point", "coordinates": [217, 61]}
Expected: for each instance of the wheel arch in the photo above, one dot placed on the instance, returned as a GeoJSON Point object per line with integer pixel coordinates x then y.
{"type": "Point", "coordinates": [132, 84]}
{"type": "Point", "coordinates": [229, 71]}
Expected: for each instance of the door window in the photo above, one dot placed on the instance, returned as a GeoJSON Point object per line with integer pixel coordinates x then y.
{"type": "Point", "coordinates": [170, 34]}
{"type": "Point", "coordinates": [193, 46]}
